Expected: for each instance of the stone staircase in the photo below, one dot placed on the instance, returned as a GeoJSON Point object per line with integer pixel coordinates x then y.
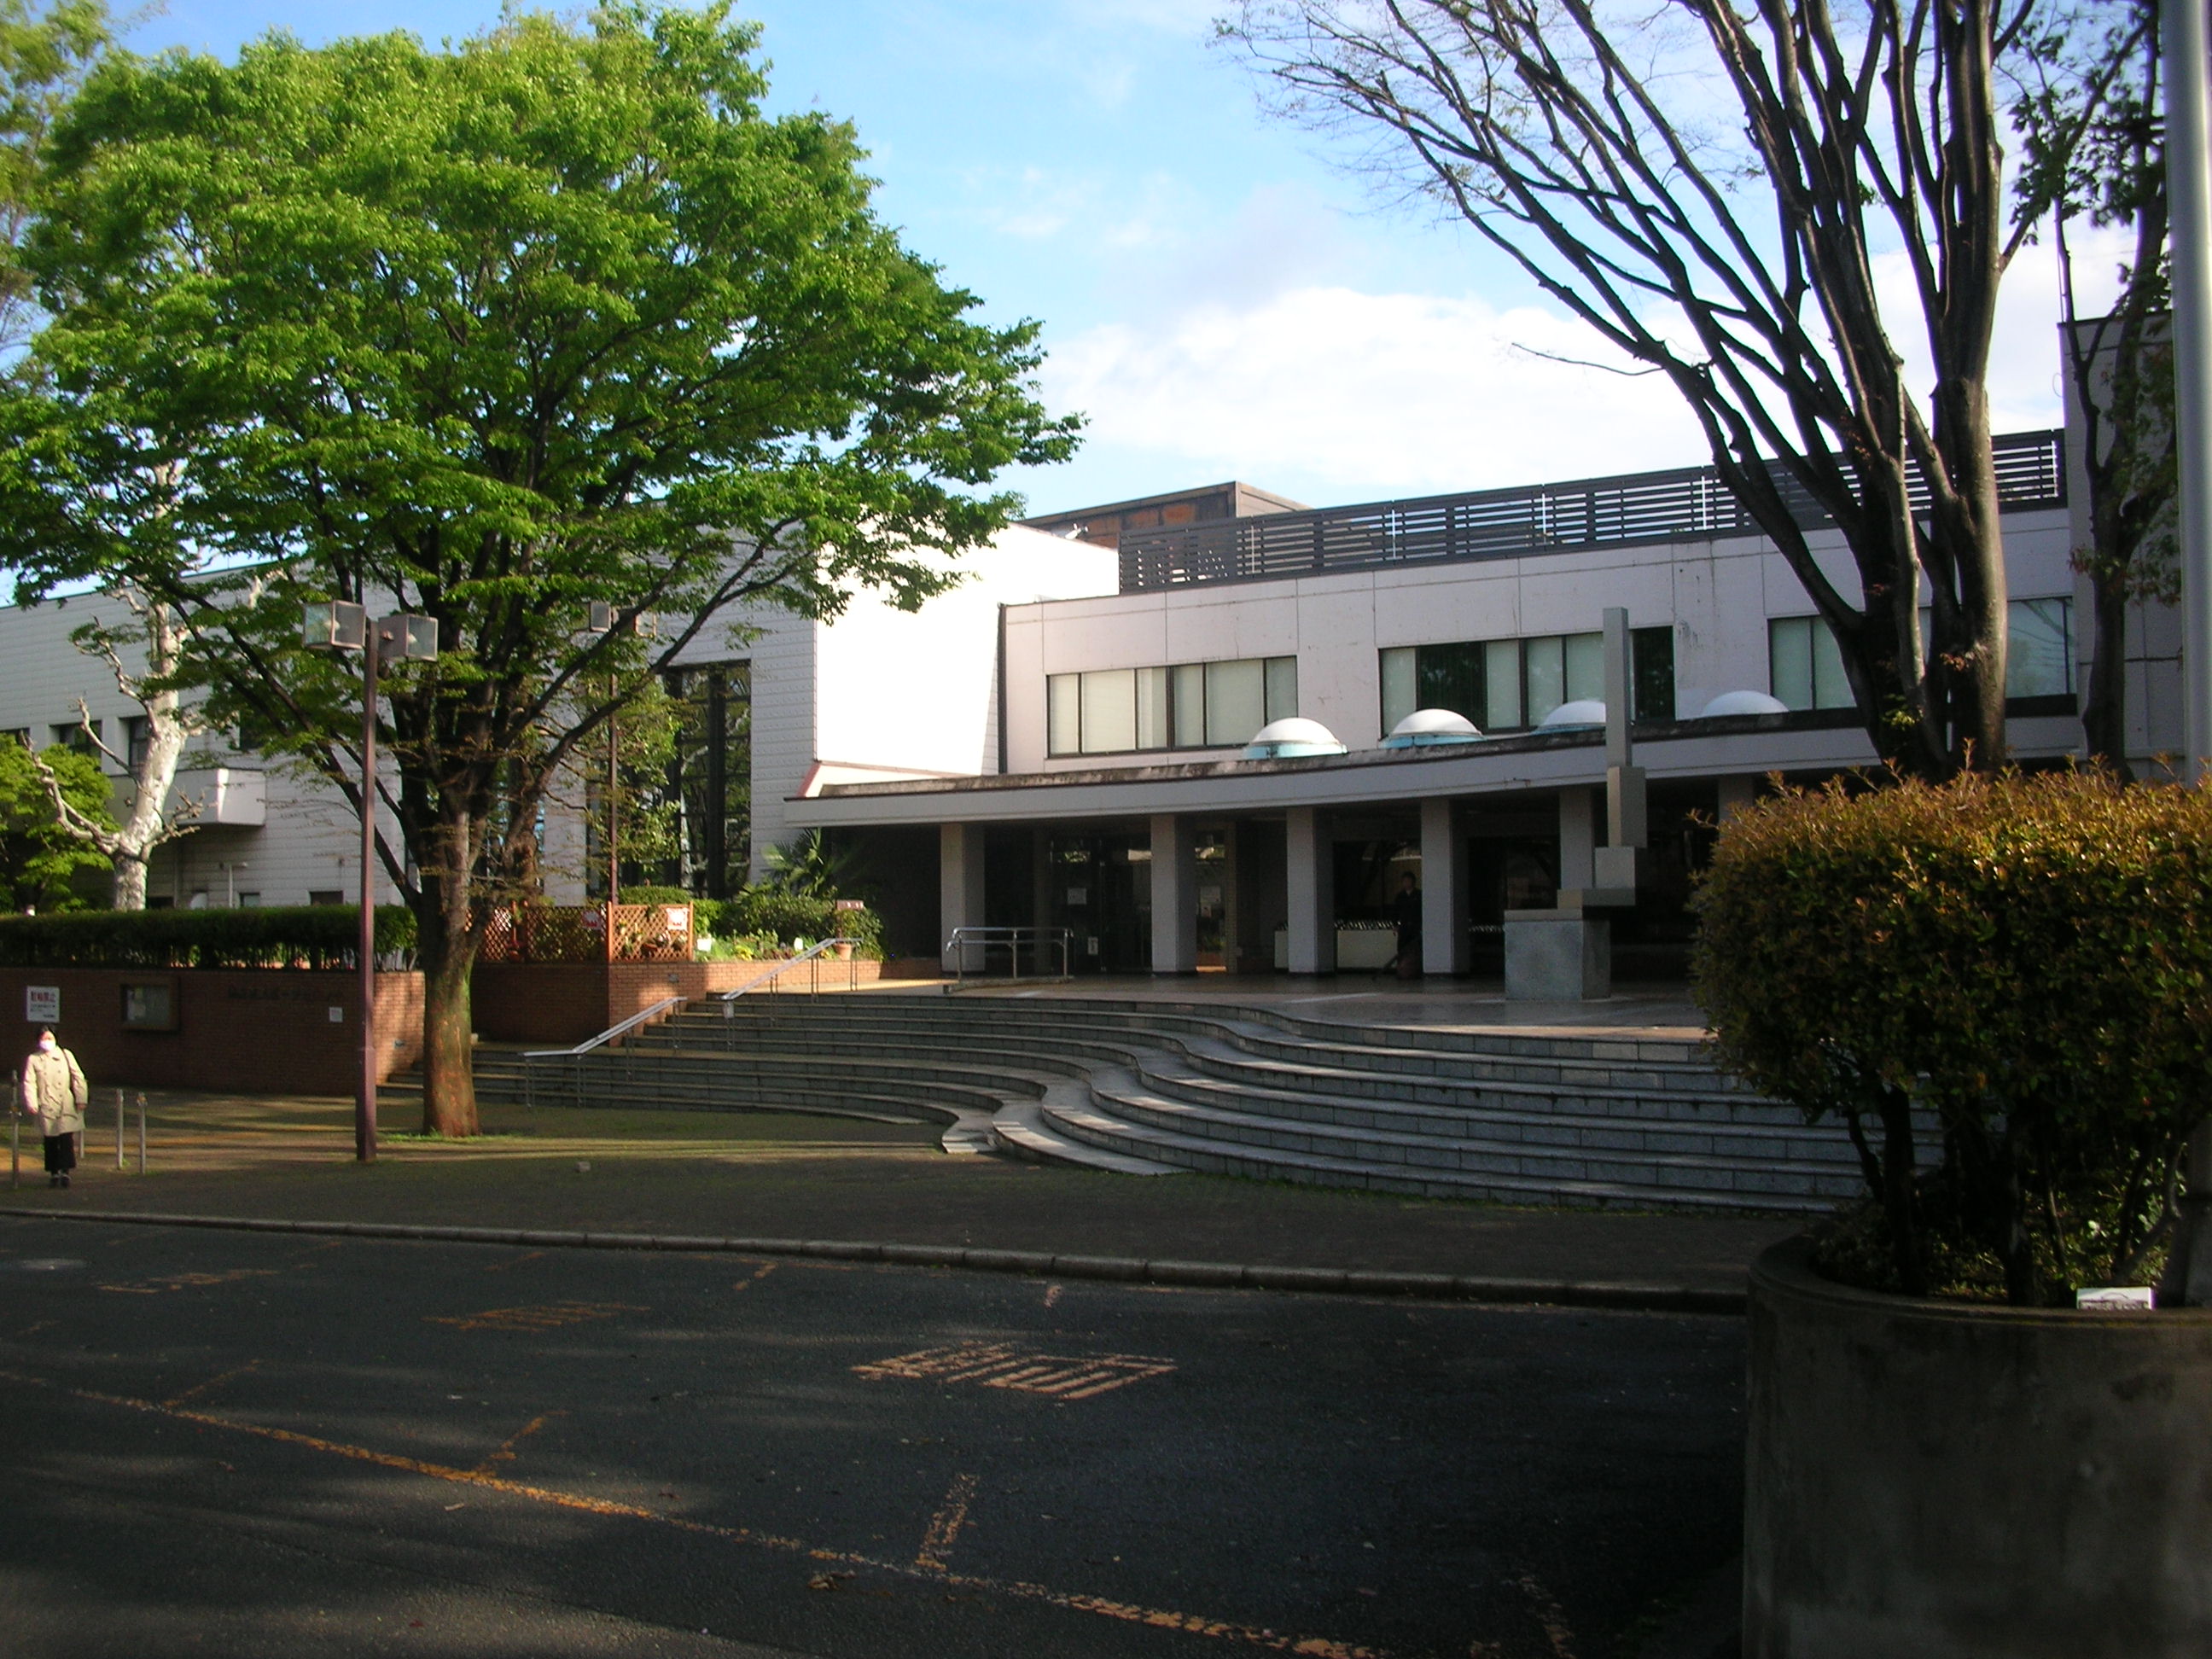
{"type": "Point", "coordinates": [1157, 1087]}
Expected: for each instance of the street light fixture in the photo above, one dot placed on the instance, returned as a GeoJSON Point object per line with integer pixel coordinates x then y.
{"type": "Point", "coordinates": [338, 626]}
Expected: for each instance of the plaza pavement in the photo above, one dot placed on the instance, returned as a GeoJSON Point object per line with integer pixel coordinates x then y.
{"type": "Point", "coordinates": [762, 1176]}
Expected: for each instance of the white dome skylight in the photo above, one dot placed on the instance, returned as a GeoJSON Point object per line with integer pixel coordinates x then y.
{"type": "Point", "coordinates": [1426, 728]}
{"type": "Point", "coordinates": [1293, 739]}
{"type": "Point", "coordinates": [1584, 711]}
{"type": "Point", "coordinates": [1744, 702]}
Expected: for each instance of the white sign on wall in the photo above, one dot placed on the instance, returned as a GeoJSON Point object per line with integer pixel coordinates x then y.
{"type": "Point", "coordinates": [42, 1004]}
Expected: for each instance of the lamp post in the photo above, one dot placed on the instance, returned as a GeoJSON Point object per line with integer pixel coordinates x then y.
{"type": "Point", "coordinates": [2184, 50]}
{"type": "Point", "coordinates": [340, 627]}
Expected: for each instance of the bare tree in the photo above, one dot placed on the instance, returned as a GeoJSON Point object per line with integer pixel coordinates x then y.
{"type": "Point", "coordinates": [1711, 185]}
{"type": "Point", "coordinates": [151, 764]}
{"type": "Point", "coordinates": [2111, 172]}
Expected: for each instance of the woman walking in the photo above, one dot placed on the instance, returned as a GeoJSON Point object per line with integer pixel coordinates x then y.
{"type": "Point", "coordinates": [55, 1092]}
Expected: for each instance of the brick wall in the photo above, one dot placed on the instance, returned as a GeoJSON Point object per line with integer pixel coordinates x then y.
{"type": "Point", "coordinates": [559, 1002]}
{"type": "Point", "coordinates": [258, 1031]}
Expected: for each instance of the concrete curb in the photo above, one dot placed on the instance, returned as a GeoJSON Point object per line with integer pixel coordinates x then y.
{"type": "Point", "coordinates": [1212, 1275]}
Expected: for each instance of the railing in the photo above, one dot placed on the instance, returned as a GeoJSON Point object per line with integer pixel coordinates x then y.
{"type": "Point", "coordinates": [773, 981]}
{"type": "Point", "coordinates": [1504, 523]}
{"type": "Point", "coordinates": [1013, 941]}
{"type": "Point", "coordinates": [536, 1061]}
{"type": "Point", "coordinates": [812, 954]}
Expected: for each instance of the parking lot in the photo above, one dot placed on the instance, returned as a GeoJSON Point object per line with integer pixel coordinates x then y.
{"type": "Point", "coordinates": [242, 1444]}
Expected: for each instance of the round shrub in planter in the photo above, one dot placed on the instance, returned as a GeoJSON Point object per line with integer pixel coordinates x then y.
{"type": "Point", "coordinates": [2003, 987]}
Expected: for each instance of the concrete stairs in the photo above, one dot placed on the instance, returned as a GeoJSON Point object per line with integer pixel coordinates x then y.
{"type": "Point", "coordinates": [1143, 1086]}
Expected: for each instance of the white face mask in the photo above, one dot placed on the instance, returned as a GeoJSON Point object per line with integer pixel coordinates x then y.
{"type": "Point", "coordinates": [46, 1045]}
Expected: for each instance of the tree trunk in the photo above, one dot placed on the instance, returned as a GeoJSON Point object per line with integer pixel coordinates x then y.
{"type": "Point", "coordinates": [1975, 535]}
{"type": "Point", "coordinates": [449, 1087]}
{"type": "Point", "coordinates": [129, 889]}
{"type": "Point", "coordinates": [2105, 711]}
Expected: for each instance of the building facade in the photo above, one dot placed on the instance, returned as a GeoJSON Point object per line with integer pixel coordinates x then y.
{"type": "Point", "coordinates": [1065, 741]}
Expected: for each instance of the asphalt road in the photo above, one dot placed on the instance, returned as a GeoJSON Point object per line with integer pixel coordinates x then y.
{"type": "Point", "coordinates": [246, 1445]}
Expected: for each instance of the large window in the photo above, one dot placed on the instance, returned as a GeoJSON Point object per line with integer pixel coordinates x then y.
{"type": "Point", "coordinates": [1510, 685]}
{"type": "Point", "coordinates": [1192, 705]}
{"type": "Point", "coordinates": [1806, 667]}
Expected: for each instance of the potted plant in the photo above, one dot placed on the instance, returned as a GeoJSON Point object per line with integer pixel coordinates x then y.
{"type": "Point", "coordinates": [2003, 989]}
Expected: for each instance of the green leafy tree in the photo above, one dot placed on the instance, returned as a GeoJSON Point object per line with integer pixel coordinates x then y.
{"type": "Point", "coordinates": [551, 317]}
{"type": "Point", "coordinates": [43, 52]}
{"type": "Point", "coordinates": [40, 859]}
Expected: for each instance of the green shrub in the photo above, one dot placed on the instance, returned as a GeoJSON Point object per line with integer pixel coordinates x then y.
{"type": "Point", "coordinates": [292, 936]}
{"type": "Point", "coordinates": [2026, 963]}
{"type": "Point", "coordinates": [644, 893]}
{"type": "Point", "coordinates": [788, 915]}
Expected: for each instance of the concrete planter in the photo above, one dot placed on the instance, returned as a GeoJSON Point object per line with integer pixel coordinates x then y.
{"type": "Point", "coordinates": [1972, 1482]}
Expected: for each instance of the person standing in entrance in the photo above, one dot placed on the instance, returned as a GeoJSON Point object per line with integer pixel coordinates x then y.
{"type": "Point", "coordinates": [1406, 913]}
{"type": "Point", "coordinates": [55, 1092]}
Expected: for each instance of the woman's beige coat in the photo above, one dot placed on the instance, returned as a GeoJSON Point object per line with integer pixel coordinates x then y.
{"type": "Point", "coordinates": [54, 1091]}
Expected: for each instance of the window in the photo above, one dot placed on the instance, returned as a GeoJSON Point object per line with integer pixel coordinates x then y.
{"type": "Point", "coordinates": [1209, 705]}
{"type": "Point", "coordinates": [16, 733]}
{"type": "Point", "coordinates": [1808, 667]}
{"type": "Point", "coordinates": [73, 736]}
{"type": "Point", "coordinates": [1805, 668]}
{"type": "Point", "coordinates": [1510, 685]}
{"type": "Point", "coordinates": [137, 732]}
{"type": "Point", "coordinates": [2039, 654]}
{"type": "Point", "coordinates": [326, 895]}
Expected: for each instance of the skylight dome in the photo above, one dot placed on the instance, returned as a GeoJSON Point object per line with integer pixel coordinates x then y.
{"type": "Point", "coordinates": [1428, 728]}
{"type": "Point", "coordinates": [1293, 739]}
{"type": "Point", "coordinates": [1744, 702]}
{"type": "Point", "coordinates": [1568, 716]}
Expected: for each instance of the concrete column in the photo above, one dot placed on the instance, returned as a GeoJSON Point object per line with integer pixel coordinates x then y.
{"type": "Point", "coordinates": [1736, 794]}
{"type": "Point", "coordinates": [1312, 871]}
{"type": "Point", "coordinates": [1232, 912]}
{"type": "Point", "coordinates": [1444, 890]}
{"type": "Point", "coordinates": [1175, 895]}
{"type": "Point", "coordinates": [960, 885]}
{"type": "Point", "coordinates": [1577, 840]}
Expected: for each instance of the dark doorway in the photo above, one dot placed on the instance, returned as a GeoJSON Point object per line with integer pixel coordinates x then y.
{"type": "Point", "coordinates": [1100, 887]}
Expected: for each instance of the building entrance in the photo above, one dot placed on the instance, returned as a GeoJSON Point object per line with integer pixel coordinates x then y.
{"type": "Point", "coordinates": [1099, 886]}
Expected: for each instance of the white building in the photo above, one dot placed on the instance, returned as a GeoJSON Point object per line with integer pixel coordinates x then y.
{"type": "Point", "coordinates": [1060, 742]}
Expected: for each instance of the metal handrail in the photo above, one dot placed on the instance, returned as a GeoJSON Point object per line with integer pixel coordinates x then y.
{"type": "Point", "coordinates": [812, 953]}
{"type": "Point", "coordinates": [1011, 939]}
{"type": "Point", "coordinates": [621, 1029]}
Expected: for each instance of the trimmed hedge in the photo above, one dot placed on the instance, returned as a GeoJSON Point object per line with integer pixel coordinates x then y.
{"type": "Point", "coordinates": [2025, 962]}
{"type": "Point", "coordinates": [287, 936]}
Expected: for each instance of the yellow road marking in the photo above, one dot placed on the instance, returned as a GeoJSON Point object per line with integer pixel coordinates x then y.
{"type": "Point", "coordinates": [506, 1452]}
{"type": "Point", "coordinates": [163, 1282]}
{"type": "Point", "coordinates": [549, 1317]}
{"type": "Point", "coordinates": [759, 1273]}
{"type": "Point", "coordinates": [1003, 1366]}
{"type": "Point", "coordinates": [944, 1525]}
{"type": "Point", "coordinates": [1310, 1647]}
{"type": "Point", "coordinates": [213, 1382]}
{"type": "Point", "coordinates": [1052, 1295]}
{"type": "Point", "coordinates": [502, 1266]}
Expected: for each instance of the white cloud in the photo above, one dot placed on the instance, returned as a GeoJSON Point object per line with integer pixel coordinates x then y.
{"type": "Point", "coordinates": [1366, 394]}
{"type": "Point", "coordinates": [1328, 391]}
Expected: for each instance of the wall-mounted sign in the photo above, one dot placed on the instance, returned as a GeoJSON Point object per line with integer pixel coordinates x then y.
{"type": "Point", "coordinates": [149, 1005]}
{"type": "Point", "coordinates": [42, 1004]}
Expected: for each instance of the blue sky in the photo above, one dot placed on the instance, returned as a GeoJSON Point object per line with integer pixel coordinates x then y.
{"type": "Point", "coordinates": [1218, 299]}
